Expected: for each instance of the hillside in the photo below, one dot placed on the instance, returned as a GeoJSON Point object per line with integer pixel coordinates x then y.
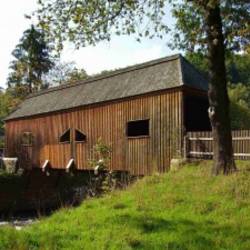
{"type": "Point", "coordinates": [182, 210]}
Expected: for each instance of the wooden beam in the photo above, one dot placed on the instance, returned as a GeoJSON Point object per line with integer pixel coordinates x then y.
{"type": "Point", "coordinates": [211, 153]}
{"type": "Point", "coordinates": [200, 153]}
{"type": "Point", "coordinates": [200, 138]}
{"type": "Point", "coordinates": [211, 138]}
{"type": "Point", "coordinates": [241, 138]}
{"type": "Point", "coordinates": [70, 165]}
{"type": "Point", "coordinates": [242, 154]}
{"type": "Point", "coordinates": [45, 166]}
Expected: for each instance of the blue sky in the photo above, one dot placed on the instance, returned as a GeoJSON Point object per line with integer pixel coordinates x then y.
{"type": "Point", "coordinates": [119, 52]}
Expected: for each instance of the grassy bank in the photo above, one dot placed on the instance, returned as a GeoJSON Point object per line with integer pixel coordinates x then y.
{"type": "Point", "coordinates": [187, 209]}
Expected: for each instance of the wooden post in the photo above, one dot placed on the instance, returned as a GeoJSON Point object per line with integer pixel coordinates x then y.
{"type": "Point", "coordinates": [186, 147]}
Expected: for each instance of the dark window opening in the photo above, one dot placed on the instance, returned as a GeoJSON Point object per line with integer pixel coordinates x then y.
{"type": "Point", "coordinates": [65, 137]}
{"type": "Point", "coordinates": [196, 113]}
{"type": "Point", "coordinates": [79, 136]}
{"type": "Point", "coordinates": [138, 128]}
{"type": "Point", "coordinates": [27, 139]}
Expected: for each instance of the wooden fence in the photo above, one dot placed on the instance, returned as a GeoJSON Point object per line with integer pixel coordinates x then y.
{"type": "Point", "coordinates": [200, 144]}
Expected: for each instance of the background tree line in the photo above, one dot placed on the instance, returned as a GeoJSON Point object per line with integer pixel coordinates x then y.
{"type": "Point", "coordinates": [238, 75]}
{"type": "Point", "coordinates": [35, 66]}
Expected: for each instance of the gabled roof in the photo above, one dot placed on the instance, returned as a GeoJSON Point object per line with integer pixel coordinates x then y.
{"type": "Point", "coordinates": [165, 73]}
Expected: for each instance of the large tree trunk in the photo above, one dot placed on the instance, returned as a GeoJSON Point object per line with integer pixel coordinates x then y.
{"type": "Point", "coordinates": [217, 94]}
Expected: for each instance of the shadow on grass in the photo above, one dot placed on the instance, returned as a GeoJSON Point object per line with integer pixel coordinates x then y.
{"type": "Point", "coordinates": [183, 234]}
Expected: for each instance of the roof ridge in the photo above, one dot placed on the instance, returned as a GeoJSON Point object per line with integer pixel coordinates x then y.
{"type": "Point", "coordinates": [108, 75]}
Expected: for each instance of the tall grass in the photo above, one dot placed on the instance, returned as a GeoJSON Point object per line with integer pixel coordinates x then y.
{"type": "Point", "coordinates": [188, 209]}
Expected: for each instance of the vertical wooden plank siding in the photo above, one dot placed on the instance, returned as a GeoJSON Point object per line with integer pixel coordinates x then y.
{"type": "Point", "coordinates": [140, 156]}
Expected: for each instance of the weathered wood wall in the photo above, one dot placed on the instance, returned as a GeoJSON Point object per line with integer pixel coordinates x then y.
{"type": "Point", "coordinates": [140, 156]}
{"type": "Point", "coordinates": [200, 144]}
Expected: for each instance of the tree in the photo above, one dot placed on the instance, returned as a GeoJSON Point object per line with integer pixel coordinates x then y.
{"type": "Point", "coordinates": [214, 26]}
{"type": "Point", "coordinates": [217, 94]}
{"type": "Point", "coordinates": [239, 95]}
{"type": "Point", "coordinates": [210, 24]}
{"type": "Point", "coordinates": [7, 103]}
{"type": "Point", "coordinates": [77, 75]}
{"type": "Point", "coordinates": [191, 28]}
{"type": "Point", "coordinates": [64, 72]}
{"type": "Point", "coordinates": [237, 66]}
{"type": "Point", "coordinates": [32, 60]}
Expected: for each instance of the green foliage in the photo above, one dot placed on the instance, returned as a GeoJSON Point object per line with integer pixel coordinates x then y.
{"type": "Point", "coordinates": [190, 27]}
{"type": "Point", "coordinates": [103, 181]}
{"type": "Point", "coordinates": [101, 155]}
{"type": "Point", "coordinates": [88, 22]}
{"type": "Point", "coordinates": [199, 61]}
{"type": "Point", "coordinates": [240, 106]}
{"type": "Point", "coordinates": [64, 72]}
{"type": "Point", "coordinates": [32, 60]}
{"type": "Point", "coordinates": [1, 143]}
{"type": "Point", "coordinates": [239, 89]}
{"type": "Point", "coordinates": [7, 103]}
{"type": "Point", "coordinates": [188, 209]}
{"type": "Point", "coordinates": [237, 66]}
{"type": "Point", "coordinates": [77, 75]}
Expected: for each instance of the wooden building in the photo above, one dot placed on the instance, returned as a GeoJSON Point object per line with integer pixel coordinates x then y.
{"type": "Point", "coordinates": [141, 111]}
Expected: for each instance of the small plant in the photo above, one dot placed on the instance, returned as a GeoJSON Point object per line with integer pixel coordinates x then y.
{"type": "Point", "coordinates": [101, 156]}
{"type": "Point", "coordinates": [102, 181]}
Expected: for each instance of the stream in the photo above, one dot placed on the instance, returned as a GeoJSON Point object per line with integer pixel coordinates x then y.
{"type": "Point", "coordinates": [19, 221]}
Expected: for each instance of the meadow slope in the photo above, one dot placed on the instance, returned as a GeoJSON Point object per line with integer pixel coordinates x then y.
{"type": "Point", "coordinates": [188, 209]}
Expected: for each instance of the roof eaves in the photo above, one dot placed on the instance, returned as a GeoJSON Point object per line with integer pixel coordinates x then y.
{"type": "Point", "coordinates": [9, 118]}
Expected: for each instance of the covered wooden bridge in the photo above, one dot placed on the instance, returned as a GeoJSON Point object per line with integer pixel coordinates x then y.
{"type": "Point", "coordinates": [142, 112]}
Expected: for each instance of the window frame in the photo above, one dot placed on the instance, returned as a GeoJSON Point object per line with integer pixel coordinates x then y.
{"type": "Point", "coordinates": [75, 130]}
{"type": "Point", "coordinates": [65, 131]}
{"type": "Point", "coordinates": [138, 136]}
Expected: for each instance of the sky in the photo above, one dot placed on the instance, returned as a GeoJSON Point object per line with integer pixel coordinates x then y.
{"type": "Point", "coordinates": [119, 52]}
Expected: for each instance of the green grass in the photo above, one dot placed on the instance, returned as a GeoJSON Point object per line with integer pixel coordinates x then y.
{"type": "Point", "coordinates": [188, 209]}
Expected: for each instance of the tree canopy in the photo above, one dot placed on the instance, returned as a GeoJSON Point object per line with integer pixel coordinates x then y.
{"type": "Point", "coordinates": [88, 22]}
{"type": "Point", "coordinates": [238, 85]}
{"type": "Point", "coordinates": [237, 66]}
{"type": "Point", "coordinates": [240, 106]}
{"type": "Point", "coordinates": [7, 103]}
{"type": "Point", "coordinates": [190, 28]}
{"type": "Point", "coordinates": [62, 73]}
{"type": "Point", "coordinates": [32, 59]}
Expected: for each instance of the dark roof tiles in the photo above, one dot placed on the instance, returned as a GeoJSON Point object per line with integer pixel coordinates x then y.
{"type": "Point", "coordinates": [143, 78]}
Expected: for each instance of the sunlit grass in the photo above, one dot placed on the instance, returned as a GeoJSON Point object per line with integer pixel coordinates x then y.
{"type": "Point", "coordinates": [188, 209]}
